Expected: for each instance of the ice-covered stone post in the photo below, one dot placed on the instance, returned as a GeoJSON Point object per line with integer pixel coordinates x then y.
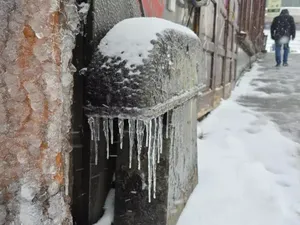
{"type": "Point", "coordinates": [144, 79]}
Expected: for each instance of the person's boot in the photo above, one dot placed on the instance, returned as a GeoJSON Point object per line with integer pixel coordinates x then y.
{"type": "Point", "coordinates": [277, 65]}
{"type": "Point", "coordinates": [285, 64]}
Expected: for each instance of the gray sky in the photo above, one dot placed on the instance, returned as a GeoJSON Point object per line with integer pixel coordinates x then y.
{"type": "Point", "coordinates": [291, 3]}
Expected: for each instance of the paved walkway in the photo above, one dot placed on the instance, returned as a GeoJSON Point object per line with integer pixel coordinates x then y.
{"type": "Point", "coordinates": [278, 94]}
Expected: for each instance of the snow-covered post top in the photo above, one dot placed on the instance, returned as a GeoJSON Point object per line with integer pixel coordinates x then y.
{"type": "Point", "coordinates": [143, 68]}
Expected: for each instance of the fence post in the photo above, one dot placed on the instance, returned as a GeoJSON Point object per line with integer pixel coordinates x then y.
{"type": "Point", "coordinates": [148, 110]}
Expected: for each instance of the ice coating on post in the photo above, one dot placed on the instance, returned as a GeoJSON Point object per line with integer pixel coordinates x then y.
{"type": "Point", "coordinates": [106, 134]}
{"type": "Point", "coordinates": [182, 174]}
{"type": "Point", "coordinates": [140, 128]}
{"type": "Point", "coordinates": [132, 134]}
{"type": "Point", "coordinates": [121, 131]}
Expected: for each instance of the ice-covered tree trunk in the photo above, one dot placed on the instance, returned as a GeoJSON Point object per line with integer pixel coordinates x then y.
{"type": "Point", "coordinates": [36, 42]}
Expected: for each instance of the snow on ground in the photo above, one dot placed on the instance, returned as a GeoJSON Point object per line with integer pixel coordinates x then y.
{"type": "Point", "coordinates": [109, 207]}
{"type": "Point", "coordinates": [248, 171]}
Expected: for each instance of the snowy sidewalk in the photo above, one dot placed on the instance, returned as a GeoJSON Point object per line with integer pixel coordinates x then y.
{"type": "Point", "coordinates": [249, 163]}
{"type": "Point", "coordinates": [276, 93]}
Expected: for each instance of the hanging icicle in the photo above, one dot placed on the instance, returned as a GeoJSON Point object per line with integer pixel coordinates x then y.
{"type": "Point", "coordinates": [111, 129]}
{"type": "Point", "coordinates": [140, 127]}
{"type": "Point", "coordinates": [121, 131]}
{"type": "Point", "coordinates": [96, 139]}
{"type": "Point", "coordinates": [149, 159]}
{"type": "Point", "coordinates": [154, 131]}
{"type": "Point", "coordinates": [98, 128]}
{"type": "Point", "coordinates": [132, 133]}
{"type": "Point", "coordinates": [91, 122]}
{"type": "Point", "coordinates": [172, 138]}
{"type": "Point", "coordinates": [167, 125]}
{"type": "Point", "coordinates": [94, 136]}
{"type": "Point", "coordinates": [159, 138]}
{"type": "Point", "coordinates": [106, 134]}
{"type": "Point", "coordinates": [154, 155]}
{"type": "Point", "coordinates": [147, 133]}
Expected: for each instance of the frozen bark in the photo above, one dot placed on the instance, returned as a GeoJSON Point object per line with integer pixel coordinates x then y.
{"type": "Point", "coordinates": [36, 42]}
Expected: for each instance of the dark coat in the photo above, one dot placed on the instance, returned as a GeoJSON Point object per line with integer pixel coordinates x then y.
{"type": "Point", "coordinates": [283, 26]}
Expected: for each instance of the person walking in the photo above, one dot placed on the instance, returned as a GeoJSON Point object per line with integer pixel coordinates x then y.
{"type": "Point", "coordinates": [282, 30]}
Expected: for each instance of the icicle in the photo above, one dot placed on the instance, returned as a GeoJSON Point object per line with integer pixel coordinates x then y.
{"type": "Point", "coordinates": [147, 134]}
{"type": "Point", "coordinates": [94, 135]}
{"type": "Point", "coordinates": [160, 137]}
{"type": "Point", "coordinates": [91, 122]}
{"type": "Point", "coordinates": [131, 123]}
{"type": "Point", "coordinates": [172, 138]}
{"type": "Point", "coordinates": [167, 126]}
{"type": "Point", "coordinates": [111, 128]}
{"type": "Point", "coordinates": [161, 134]}
{"type": "Point", "coordinates": [106, 134]}
{"type": "Point", "coordinates": [121, 131]}
{"type": "Point", "coordinates": [98, 128]}
{"type": "Point", "coordinates": [154, 155]}
{"type": "Point", "coordinates": [155, 133]}
{"type": "Point", "coordinates": [96, 139]}
{"type": "Point", "coordinates": [149, 160]}
{"type": "Point", "coordinates": [140, 126]}
{"type": "Point", "coordinates": [96, 151]}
